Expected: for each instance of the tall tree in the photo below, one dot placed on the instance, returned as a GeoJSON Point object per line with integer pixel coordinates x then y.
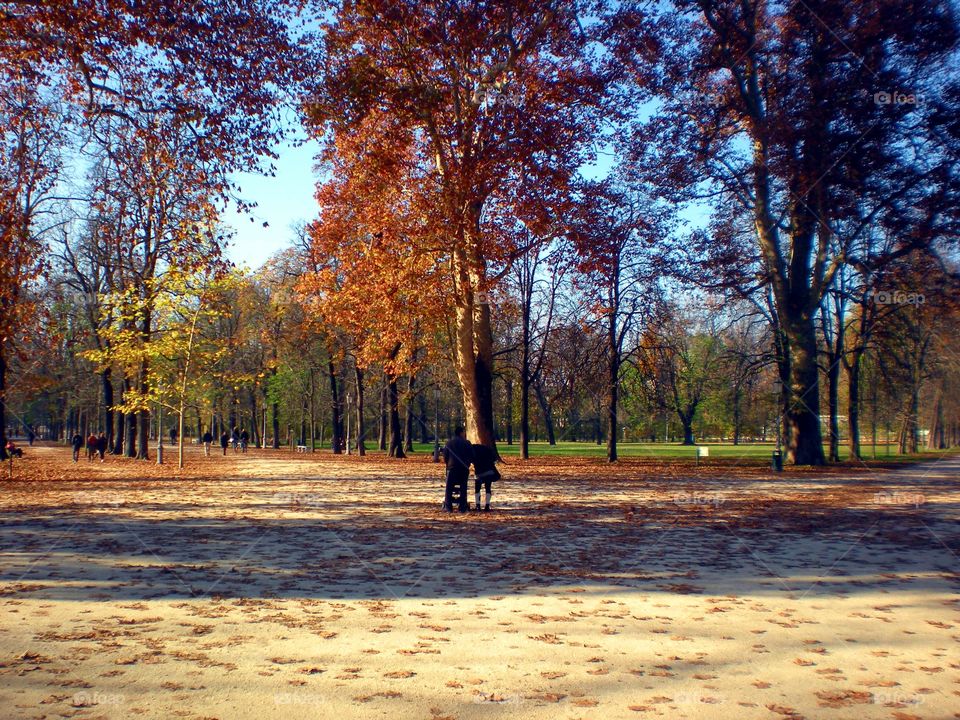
{"type": "Point", "coordinates": [498, 103]}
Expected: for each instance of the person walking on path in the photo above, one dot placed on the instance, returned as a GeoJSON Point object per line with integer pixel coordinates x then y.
{"type": "Point", "coordinates": [224, 441]}
{"type": "Point", "coordinates": [91, 447]}
{"type": "Point", "coordinates": [102, 445]}
{"type": "Point", "coordinates": [486, 473]}
{"type": "Point", "coordinates": [207, 441]}
{"type": "Point", "coordinates": [77, 442]}
{"type": "Point", "coordinates": [244, 440]}
{"type": "Point", "coordinates": [458, 454]}
{"type": "Point", "coordinates": [235, 438]}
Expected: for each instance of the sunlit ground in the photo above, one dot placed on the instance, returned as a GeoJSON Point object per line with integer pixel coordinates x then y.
{"type": "Point", "coordinates": [306, 586]}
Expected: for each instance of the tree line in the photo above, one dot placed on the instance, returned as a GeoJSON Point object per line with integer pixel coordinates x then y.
{"type": "Point", "coordinates": [561, 220]}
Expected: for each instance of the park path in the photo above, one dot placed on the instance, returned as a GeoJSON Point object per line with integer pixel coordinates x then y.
{"type": "Point", "coordinates": [305, 588]}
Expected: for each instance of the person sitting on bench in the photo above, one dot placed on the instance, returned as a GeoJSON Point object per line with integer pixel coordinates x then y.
{"type": "Point", "coordinates": [13, 450]}
{"type": "Point", "coordinates": [458, 454]}
{"type": "Point", "coordinates": [486, 473]}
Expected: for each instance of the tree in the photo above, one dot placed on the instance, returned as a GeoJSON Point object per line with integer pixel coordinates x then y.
{"type": "Point", "coordinates": [31, 146]}
{"type": "Point", "coordinates": [495, 105]}
{"type": "Point", "coordinates": [789, 127]}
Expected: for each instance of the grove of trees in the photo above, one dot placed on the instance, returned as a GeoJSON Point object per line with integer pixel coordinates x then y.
{"type": "Point", "coordinates": [541, 219]}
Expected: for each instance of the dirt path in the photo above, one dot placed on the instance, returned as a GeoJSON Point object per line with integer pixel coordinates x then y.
{"type": "Point", "coordinates": [277, 586]}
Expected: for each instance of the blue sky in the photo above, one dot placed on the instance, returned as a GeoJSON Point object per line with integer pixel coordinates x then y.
{"type": "Point", "coordinates": [281, 202]}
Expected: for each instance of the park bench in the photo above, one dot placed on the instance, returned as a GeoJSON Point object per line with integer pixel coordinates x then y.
{"type": "Point", "coordinates": [301, 448]}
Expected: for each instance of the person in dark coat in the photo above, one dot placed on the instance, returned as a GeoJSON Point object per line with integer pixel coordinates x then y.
{"type": "Point", "coordinates": [207, 441]}
{"type": "Point", "coordinates": [77, 442]}
{"type": "Point", "coordinates": [485, 472]}
{"type": "Point", "coordinates": [102, 445]}
{"type": "Point", "coordinates": [244, 440]}
{"type": "Point", "coordinates": [91, 447]}
{"type": "Point", "coordinates": [458, 454]}
{"type": "Point", "coordinates": [224, 441]}
{"type": "Point", "coordinates": [235, 438]}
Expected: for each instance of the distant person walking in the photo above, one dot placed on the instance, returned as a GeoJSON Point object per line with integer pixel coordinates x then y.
{"type": "Point", "coordinates": [235, 438]}
{"type": "Point", "coordinates": [224, 441]}
{"type": "Point", "coordinates": [207, 441]}
{"type": "Point", "coordinates": [173, 435]}
{"type": "Point", "coordinates": [458, 454]}
{"type": "Point", "coordinates": [91, 447]}
{"type": "Point", "coordinates": [77, 442]}
{"type": "Point", "coordinates": [244, 440]}
{"type": "Point", "coordinates": [102, 445]}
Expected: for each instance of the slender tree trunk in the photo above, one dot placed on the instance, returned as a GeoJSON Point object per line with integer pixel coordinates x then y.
{"type": "Point", "coordinates": [509, 415]}
{"type": "Point", "coordinates": [853, 405]}
{"type": "Point", "coordinates": [613, 385]}
{"type": "Point", "coordinates": [336, 423]}
{"type": "Point", "coordinates": [132, 435]}
{"type": "Point", "coordinates": [408, 420]}
{"type": "Point", "coordinates": [422, 417]}
{"type": "Point", "coordinates": [361, 430]}
{"type": "Point", "coordinates": [313, 414]}
{"type": "Point", "coordinates": [382, 420]}
{"type": "Point", "coordinates": [396, 435]}
{"type": "Point", "coordinates": [107, 385]}
{"type": "Point", "coordinates": [143, 440]}
{"type": "Point", "coordinates": [737, 412]}
{"type": "Point", "coordinates": [547, 413]}
{"type": "Point", "coordinates": [3, 402]}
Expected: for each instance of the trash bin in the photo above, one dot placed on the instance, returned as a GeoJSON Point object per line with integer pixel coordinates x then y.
{"type": "Point", "coordinates": [777, 462]}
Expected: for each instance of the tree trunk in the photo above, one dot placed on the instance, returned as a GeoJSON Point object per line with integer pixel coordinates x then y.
{"type": "Point", "coordinates": [382, 421]}
{"type": "Point", "coordinates": [361, 431]}
{"type": "Point", "coordinates": [804, 439]}
{"type": "Point", "coordinates": [737, 413]}
{"type": "Point", "coordinates": [336, 413]}
{"type": "Point", "coordinates": [473, 343]}
{"type": "Point", "coordinates": [313, 414]}
{"type": "Point", "coordinates": [853, 405]}
{"type": "Point", "coordinates": [547, 413]}
{"type": "Point", "coordinates": [396, 435]}
{"type": "Point", "coordinates": [686, 420]}
{"type": "Point", "coordinates": [408, 420]}
{"type": "Point", "coordinates": [937, 438]}
{"type": "Point", "coordinates": [509, 416]}
{"type": "Point", "coordinates": [107, 385]}
{"type": "Point", "coordinates": [613, 386]}
{"type": "Point", "coordinates": [3, 402]}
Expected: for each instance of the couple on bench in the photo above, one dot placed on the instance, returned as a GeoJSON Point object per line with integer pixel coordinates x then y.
{"type": "Point", "coordinates": [459, 454]}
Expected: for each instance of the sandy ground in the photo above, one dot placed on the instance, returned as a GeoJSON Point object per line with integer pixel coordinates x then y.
{"type": "Point", "coordinates": [273, 585]}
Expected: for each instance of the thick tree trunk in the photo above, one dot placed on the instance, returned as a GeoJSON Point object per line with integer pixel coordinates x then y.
{"type": "Point", "coordinates": [804, 439]}
{"type": "Point", "coordinates": [473, 345]}
{"type": "Point", "coordinates": [686, 421]}
{"type": "Point", "coordinates": [396, 435]}
{"type": "Point", "coordinates": [361, 430]}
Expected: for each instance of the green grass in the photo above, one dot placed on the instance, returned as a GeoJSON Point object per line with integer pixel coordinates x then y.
{"type": "Point", "coordinates": [665, 451]}
{"type": "Point", "coordinates": [673, 451]}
